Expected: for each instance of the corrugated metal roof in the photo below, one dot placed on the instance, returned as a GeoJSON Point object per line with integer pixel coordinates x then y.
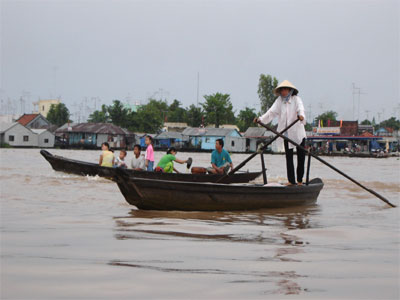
{"type": "Point", "coordinates": [97, 128]}
{"type": "Point", "coordinates": [5, 126]}
{"type": "Point", "coordinates": [65, 126]}
{"type": "Point", "coordinates": [193, 131]}
{"type": "Point", "coordinates": [172, 135]}
{"type": "Point", "coordinates": [207, 131]}
{"type": "Point", "coordinates": [254, 132]}
{"type": "Point", "coordinates": [169, 135]}
{"type": "Point", "coordinates": [219, 131]}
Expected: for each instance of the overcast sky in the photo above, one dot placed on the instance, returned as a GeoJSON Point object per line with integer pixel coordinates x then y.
{"type": "Point", "coordinates": [131, 50]}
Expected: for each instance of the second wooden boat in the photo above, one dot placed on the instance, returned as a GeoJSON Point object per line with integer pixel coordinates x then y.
{"type": "Point", "coordinates": [77, 167]}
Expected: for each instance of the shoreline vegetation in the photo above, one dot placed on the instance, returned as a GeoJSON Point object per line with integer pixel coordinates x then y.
{"type": "Point", "coordinates": [215, 109]}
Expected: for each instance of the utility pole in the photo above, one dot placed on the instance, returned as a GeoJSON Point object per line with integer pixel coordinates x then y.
{"type": "Point", "coordinates": [321, 107]}
{"type": "Point", "coordinates": [367, 111]}
{"type": "Point", "coordinates": [397, 108]}
{"type": "Point", "coordinates": [22, 103]}
{"type": "Point", "coordinates": [309, 113]}
{"type": "Point", "coordinates": [354, 88]}
{"type": "Point", "coordinates": [55, 69]}
{"type": "Point", "coordinates": [359, 97]}
{"type": "Point", "coordinates": [198, 83]}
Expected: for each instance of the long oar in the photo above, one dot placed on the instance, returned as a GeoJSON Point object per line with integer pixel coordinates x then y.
{"type": "Point", "coordinates": [328, 164]}
{"type": "Point", "coordinates": [239, 166]}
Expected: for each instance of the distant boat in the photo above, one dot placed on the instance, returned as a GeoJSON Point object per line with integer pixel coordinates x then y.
{"type": "Point", "coordinates": [77, 167]}
{"type": "Point", "coordinates": [151, 194]}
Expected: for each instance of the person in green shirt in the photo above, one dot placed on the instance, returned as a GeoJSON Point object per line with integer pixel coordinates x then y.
{"type": "Point", "coordinates": [166, 163]}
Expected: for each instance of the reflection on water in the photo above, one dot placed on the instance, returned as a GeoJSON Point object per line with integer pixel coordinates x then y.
{"type": "Point", "coordinates": [263, 228]}
{"type": "Point", "coordinates": [76, 237]}
{"type": "Point", "coordinates": [201, 225]}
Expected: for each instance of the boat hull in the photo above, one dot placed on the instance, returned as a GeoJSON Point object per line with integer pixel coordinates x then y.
{"type": "Point", "coordinates": [191, 196]}
{"type": "Point", "coordinates": [77, 167]}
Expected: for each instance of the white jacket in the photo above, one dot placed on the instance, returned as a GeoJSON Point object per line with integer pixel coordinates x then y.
{"type": "Point", "coordinates": [287, 112]}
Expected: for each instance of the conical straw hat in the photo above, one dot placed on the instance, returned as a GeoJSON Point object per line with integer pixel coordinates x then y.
{"type": "Point", "coordinates": [288, 84]}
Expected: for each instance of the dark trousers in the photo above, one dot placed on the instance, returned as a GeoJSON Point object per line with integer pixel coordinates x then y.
{"type": "Point", "coordinates": [301, 155]}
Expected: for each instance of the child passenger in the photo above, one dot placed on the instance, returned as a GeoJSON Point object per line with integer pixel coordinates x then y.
{"type": "Point", "coordinates": [149, 153]}
{"type": "Point", "coordinates": [166, 163]}
{"type": "Point", "coordinates": [138, 161]}
{"type": "Point", "coordinates": [120, 161]}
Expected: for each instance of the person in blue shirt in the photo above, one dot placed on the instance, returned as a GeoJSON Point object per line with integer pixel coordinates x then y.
{"type": "Point", "coordinates": [220, 159]}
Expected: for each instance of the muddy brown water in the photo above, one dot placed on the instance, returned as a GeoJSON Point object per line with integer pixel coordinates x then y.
{"type": "Point", "coordinates": [67, 237]}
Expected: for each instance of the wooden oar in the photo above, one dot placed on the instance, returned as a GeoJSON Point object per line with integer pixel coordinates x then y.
{"type": "Point", "coordinates": [239, 166]}
{"type": "Point", "coordinates": [328, 164]}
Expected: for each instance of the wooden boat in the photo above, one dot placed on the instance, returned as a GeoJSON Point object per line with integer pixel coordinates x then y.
{"type": "Point", "coordinates": [157, 194]}
{"type": "Point", "coordinates": [77, 167]}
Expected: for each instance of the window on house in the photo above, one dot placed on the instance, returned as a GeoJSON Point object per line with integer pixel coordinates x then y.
{"type": "Point", "coordinates": [233, 143]}
{"type": "Point", "coordinates": [26, 138]}
{"type": "Point", "coordinates": [11, 138]}
{"type": "Point", "coordinates": [46, 141]}
{"type": "Point", "coordinates": [43, 108]}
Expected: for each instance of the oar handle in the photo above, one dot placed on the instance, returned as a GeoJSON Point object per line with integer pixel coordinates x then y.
{"type": "Point", "coordinates": [328, 164]}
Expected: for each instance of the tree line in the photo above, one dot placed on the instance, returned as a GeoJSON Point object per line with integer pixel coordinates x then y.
{"type": "Point", "coordinates": [217, 109]}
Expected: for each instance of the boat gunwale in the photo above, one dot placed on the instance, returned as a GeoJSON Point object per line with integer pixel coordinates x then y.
{"type": "Point", "coordinates": [51, 157]}
{"type": "Point", "coordinates": [219, 187]}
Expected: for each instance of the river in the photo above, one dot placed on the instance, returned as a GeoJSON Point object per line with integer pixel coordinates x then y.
{"type": "Point", "coordinates": [71, 237]}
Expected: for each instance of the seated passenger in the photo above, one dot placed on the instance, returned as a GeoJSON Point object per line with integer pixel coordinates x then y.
{"type": "Point", "coordinates": [120, 161]}
{"type": "Point", "coordinates": [166, 163]}
{"type": "Point", "coordinates": [107, 157]}
{"type": "Point", "coordinates": [220, 159]}
{"type": "Point", "coordinates": [138, 162]}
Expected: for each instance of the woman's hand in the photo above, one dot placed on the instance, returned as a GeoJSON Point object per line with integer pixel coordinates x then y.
{"type": "Point", "coordinates": [301, 118]}
{"type": "Point", "coordinates": [255, 120]}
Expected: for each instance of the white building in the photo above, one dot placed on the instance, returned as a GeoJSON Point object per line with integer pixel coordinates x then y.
{"type": "Point", "coordinates": [17, 135]}
{"type": "Point", "coordinates": [45, 138]}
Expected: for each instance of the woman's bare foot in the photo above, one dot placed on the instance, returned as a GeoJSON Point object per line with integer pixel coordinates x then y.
{"type": "Point", "coordinates": [289, 184]}
{"type": "Point", "coordinates": [299, 183]}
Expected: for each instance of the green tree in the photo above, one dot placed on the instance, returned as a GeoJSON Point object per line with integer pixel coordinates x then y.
{"type": "Point", "coordinates": [266, 87]}
{"type": "Point", "coordinates": [328, 115]}
{"type": "Point", "coordinates": [391, 123]}
{"type": "Point", "coordinates": [245, 118]}
{"type": "Point", "coordinates": [100, 116]}
{"type": "Point", "coordinates": [176, 113]}
{"type": "Point", "coordinates": [118, 114]}
{"type": "Point", "coordinates": [218, 109]}
{"type": "Point", "coordinates": [194, 116]}
{"type": "Point", "coordinates": [308, 127]}
{"type": "Point", "coordinates": [149, 117]}
{"type": "Point", "coordinates": [366, 122]}
{"type": "Point", "coordinates": [58, 114]}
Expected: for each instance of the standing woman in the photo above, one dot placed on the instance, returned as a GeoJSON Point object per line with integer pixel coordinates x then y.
{"type": "Point", "coordinates": [287, 108]}
{"type": "Point", "coordinates": [149, 153]}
